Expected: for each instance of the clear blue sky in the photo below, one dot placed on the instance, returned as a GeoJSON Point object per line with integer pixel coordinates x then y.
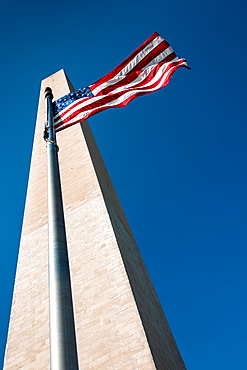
{"type": "Point", "coordinates": [177, 157]}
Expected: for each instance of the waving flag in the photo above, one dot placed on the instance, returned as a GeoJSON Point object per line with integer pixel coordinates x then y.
{"type": "Point", "coordinates": [146, 70]}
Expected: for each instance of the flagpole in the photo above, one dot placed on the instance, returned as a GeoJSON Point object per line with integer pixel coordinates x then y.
{"type": "Point", "coordinates": [63, 351]}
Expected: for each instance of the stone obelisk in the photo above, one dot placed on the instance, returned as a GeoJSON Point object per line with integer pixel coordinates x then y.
{"type": "Point", "coordinates": [119, 321]}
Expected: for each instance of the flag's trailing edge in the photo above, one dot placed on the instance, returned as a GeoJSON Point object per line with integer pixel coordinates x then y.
{"type": "Point", "coordinates": [147, 69]}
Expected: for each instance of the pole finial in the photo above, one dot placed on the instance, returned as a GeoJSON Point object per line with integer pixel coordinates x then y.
{"type": "Point", "coordinates": [48, 91]}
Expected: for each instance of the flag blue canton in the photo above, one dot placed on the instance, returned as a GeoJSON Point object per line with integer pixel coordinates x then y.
{"type": "Point", "coordinates": [68, 99]}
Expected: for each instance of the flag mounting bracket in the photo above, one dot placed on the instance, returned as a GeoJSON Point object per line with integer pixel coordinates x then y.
{"type": "Point", "coordinates": [48, 92]}
{"type": "Point", "coordinates": [52, 142]}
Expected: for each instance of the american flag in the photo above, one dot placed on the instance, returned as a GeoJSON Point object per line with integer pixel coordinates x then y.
{"type": "Point", "coordinates": [146, 70]}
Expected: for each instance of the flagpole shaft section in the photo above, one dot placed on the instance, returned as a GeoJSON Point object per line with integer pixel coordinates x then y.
{"type": "Point", "coordinates": [63, 349]}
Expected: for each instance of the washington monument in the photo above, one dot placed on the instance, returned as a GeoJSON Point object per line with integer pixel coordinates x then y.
{"type": "Point", "coordinates": [119, 322]}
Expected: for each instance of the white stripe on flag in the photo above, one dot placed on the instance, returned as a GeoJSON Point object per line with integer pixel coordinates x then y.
{"type": "Point", "coordinates": [141, 55]}
{"type": "Point", "coordinates": [120, 100]}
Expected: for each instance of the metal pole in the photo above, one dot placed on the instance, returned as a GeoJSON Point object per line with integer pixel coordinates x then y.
{"type": "Point", "coordinates": [63, 349]}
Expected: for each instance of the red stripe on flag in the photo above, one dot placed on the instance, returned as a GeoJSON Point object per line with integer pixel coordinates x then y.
{"type": "Point", "coordinates": [99, 105]}
{"type": "Point", "coordinates": [141, 65]}
{"type": "Point", "coordinates": [116, 70]}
